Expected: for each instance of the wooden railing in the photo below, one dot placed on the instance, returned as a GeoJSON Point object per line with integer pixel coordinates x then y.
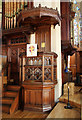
{"type": "Point", "coordinates": [6, 68]}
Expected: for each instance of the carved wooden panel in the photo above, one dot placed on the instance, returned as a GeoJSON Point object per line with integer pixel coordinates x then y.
{"type": "Point", "coordinates": [43, 38]}
{"type": "Point", "coordinates": [14, 52]}
{"type": "Point", "coordinates": [31, 97]}
{"type": "Point", "coordinates": [38, 97]}
{"type": "Point", "coordinates": [47, 74]}
{"type": "Point", "coordinates": [33, 73]}
{"type": "Point", "coordinates": [18, 40]}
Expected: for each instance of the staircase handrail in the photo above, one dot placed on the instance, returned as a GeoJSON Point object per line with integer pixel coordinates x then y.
{"type": "Point", "coordinates": [7, 65]}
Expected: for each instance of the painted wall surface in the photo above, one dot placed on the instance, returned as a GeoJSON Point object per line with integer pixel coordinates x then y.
{"type": "Point", "coordinates": [55, 42]}
{"type": "Point", "coordinates": [56, 47]}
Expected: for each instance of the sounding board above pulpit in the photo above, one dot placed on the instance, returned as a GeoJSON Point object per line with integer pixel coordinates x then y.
{"type": "Point", "coordinates": [38, 76]}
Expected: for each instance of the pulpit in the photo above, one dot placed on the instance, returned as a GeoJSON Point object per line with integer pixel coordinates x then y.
{"type": "Point", "coordinates": [38, 76]}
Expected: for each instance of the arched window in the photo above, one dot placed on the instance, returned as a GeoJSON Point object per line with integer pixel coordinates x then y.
{"type": "Point", "coordinates": [76, 23]}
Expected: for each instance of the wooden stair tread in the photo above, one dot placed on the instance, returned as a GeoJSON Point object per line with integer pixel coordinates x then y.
{"type": "Point", "coordinates": [13, 87]}
{"type": "Point", "coordinates": [10, 99]}
{"type": "Point", "coordinates": [10, 94]}
{"type": "Point", "coordinates": [7, 100]}
{"type": "Point", "coordinates": [12, 90]}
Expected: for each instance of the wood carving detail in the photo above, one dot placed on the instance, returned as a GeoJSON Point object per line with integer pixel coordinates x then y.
{"type": "Point", "coordinates": [33, 74]}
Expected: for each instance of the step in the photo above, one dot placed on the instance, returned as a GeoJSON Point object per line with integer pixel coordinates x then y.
{"type": "Point", "coordinates": [7, 100]}
{"type": "Point", "coordinates": [13, 87]}
{"type": "Point", "coordinates": [10, 94]}
{"type": "Point", "coordinates": [6, 108]}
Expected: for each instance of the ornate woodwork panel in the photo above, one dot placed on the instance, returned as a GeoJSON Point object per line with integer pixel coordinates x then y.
{"type": "Point", "coordinates": [33, 73]}
{"type": "Point", "coordinates": [31, 97]}
{"type": "Point", "coordinates": [39, 80]}
{"type": "Point", "coordinates": [38, 97]}
{"type": "Point", "coordinates": [18, 40]}
{"type": "Point", "coordinates": [47, 74]}
{"type": "Point", "coordinates": [13, 55]}
{"type": "Point", "coordinates": [43, 38]}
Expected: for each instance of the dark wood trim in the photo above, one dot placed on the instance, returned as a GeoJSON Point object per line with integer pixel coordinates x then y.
{"type": "Point", "coordinates": [40, 12]}
{"type": "Point", "coordinates": [18, 30]}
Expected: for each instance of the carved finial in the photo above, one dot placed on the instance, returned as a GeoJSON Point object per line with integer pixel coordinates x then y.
{"type": "Point", "coordinates": [39, 5]}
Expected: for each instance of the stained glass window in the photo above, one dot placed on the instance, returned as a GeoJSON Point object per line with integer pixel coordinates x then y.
{"type": "Point", "coordinates": [76, 23]}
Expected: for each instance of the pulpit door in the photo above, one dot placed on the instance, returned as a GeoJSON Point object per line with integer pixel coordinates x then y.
{"type": "Point", "coordinates": [14, 52]}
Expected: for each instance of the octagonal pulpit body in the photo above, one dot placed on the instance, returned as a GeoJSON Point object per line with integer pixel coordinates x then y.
{"type": "Point", "coordinates": [38, 76]}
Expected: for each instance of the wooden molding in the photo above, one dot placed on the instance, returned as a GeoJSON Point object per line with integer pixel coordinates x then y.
{"type": "Point", "coordinates": [39, 15]}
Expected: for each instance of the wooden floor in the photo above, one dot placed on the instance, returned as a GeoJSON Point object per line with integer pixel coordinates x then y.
{"type": "Point", "coordinates": [26, 114]}
{"type": "Point", "coordinates": [57, 112]}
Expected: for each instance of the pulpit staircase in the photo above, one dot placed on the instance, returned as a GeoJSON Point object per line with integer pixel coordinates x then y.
{"type": "Point", "coordinates": [9, 101]}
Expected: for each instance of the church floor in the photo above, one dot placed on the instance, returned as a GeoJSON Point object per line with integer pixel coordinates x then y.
{"type": "Point", "coordinates": [58, 111]}
{"type": "Point", "coordinates": [25, 114]}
